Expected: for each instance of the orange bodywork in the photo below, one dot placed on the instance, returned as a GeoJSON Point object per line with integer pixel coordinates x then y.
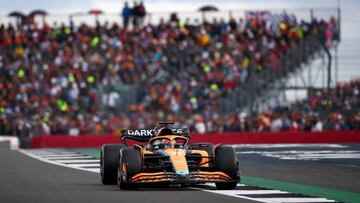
{"type": "Point", "coordinates": [181, 172]}
{"type": "Point", "coordinates": [205, 160]}
{"type": "Point", "coordinates": [177, 157]}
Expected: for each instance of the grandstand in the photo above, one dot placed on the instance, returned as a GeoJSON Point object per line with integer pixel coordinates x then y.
{"type": "Point", "coordinates": [214, 73]}
{"type": "Point", "coordinates": [180, 101]}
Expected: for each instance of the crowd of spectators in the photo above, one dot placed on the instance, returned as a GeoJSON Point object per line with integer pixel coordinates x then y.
{"type": "Point", "coordinates": [321, 111]}
{"type": "Point", "coordinates": [51, 76]}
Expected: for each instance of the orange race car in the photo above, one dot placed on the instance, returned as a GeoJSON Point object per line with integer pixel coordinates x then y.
{"type": "Point", "coordinates": [167, 158]}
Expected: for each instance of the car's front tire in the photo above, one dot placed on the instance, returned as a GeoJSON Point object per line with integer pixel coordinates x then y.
{"type": "Point", "coordinates": [130, 163]}
{"type": "Point", "coordinates": [108, 163]}
{"type": "Point", "coordinates": [225, 161]}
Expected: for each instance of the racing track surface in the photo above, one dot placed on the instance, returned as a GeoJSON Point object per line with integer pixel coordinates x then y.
{"type": "Point", "coordinates": [24, 179]}
{"type": "Point", "coordinates": [330, 166]}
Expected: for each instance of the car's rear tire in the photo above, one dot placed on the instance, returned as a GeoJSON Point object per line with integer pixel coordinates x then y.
{"type": "Point", "coordinates": [109, 156]}
{"type": "Point", "coordinates": [225, 161]}
{"type": "Point", "coordinates": [208, 147]}
{"type": "Point", "coordinates": [130, 163]}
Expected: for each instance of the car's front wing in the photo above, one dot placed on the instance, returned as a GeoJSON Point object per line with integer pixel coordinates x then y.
{"type": "Point", "coordinates": [171, 177]}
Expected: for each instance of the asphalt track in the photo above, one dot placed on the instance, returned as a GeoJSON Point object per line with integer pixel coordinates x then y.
{"type": "Point", "coordinates": [342, 174]}
{"type": "Point", "coordinates": [24, 179]}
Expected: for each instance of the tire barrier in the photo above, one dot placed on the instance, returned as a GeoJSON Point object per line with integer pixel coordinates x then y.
{"type": "Point", "coordinates": [9, 142]}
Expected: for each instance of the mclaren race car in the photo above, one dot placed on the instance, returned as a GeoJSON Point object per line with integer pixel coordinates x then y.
{"type": "Point", "coordinates": [167, 158]}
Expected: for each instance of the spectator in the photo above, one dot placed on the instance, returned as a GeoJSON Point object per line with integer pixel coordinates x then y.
{"type": "Point", "coordinates": [141, 13]}
{"type": "Point", "coordinates": [126, 15]}
{"type": "Point", "coordinates": [199, 124]}
{"type": "Point", "coordinates": [174, 19]}
{"type": "Point", "coordinates": [136, 15]}
{"type": "Point", "coordinates": [276, 123]}
{"type": "Point", "coordinates": [318, 125]}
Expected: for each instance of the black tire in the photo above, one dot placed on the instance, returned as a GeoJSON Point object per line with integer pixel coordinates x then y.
{"type": "Point", "coordinates": [208, 147]}
{"type": "Point", "coordinates": [130, 163]}
{"type": "Point", "coordinates": [109, 156]}
{"type": "Point", "coordinates": [225, 161]}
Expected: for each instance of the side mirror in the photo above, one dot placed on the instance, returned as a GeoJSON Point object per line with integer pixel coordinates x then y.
{"type": "Point", "coordinates": [186, 132]}
{"type": "Point", "coordinates": [124, 133]}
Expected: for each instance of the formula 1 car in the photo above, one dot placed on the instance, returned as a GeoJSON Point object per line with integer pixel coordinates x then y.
{"type": "Point", "coordinates": [167, 158]}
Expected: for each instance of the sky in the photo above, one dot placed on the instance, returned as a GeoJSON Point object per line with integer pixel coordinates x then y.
{"type": "Point", "coordinates": [350, 8]}
{"type": "Point", "coordinates": [166, 5]}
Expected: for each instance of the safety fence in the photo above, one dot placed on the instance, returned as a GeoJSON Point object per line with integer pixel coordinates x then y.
{"type": "Point", "coordinates": [296, 137]}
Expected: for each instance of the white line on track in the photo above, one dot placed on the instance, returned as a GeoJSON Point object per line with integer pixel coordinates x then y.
{"type": "Point", "coordinates": [55, 155]}
{"type": "Point", "coordinates": [306, 155]}
{"type": "Point", "coordinates": [329, 156]}
{"type": "Point", "coordinates": [213, 184]}
{"type": "Point", "coordinates": [95, 170]}
{"type": "Point", "coordinates": [85, 165]}
{"type": "Point", "coordinates": [69, 157]}
{"type": "Point", "coordinates": [78, 161]}
{"type": "Point", "coordinates": [227, 194]}
{"type": "Point", "coordinates": [255, 192]}
{"type": "Point", "coordinates": [271, 146]}
{"type": "Point", "coordinates": [29, 153]}
{"type": "Point", "coordinates": [295, 199]}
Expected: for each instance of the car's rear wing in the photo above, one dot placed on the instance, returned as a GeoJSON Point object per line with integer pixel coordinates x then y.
{"type": "Point", "coordinates": [144, 135]}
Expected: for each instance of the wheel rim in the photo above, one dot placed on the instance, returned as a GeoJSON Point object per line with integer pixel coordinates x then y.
{"type": "Point", "coordinates": [123, 171]}
{"type": "Point", "coordinates": [119, 176]}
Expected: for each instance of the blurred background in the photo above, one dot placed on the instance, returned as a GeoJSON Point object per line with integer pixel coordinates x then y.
{"type": "Point", "coordinates": [95, 67]}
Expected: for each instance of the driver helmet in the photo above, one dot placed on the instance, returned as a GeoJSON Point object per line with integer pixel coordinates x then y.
{"type": "Point", "coordinates": [165, 131]}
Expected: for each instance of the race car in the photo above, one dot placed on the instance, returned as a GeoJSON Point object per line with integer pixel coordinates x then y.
{"type": "Point", "coordinates": [167, 158]}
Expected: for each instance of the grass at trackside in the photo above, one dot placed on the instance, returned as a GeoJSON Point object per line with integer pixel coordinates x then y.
{"type": "Point", "coordinates": [94, 152]}
{"type": "Point", "coordinates": [334, 194]}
